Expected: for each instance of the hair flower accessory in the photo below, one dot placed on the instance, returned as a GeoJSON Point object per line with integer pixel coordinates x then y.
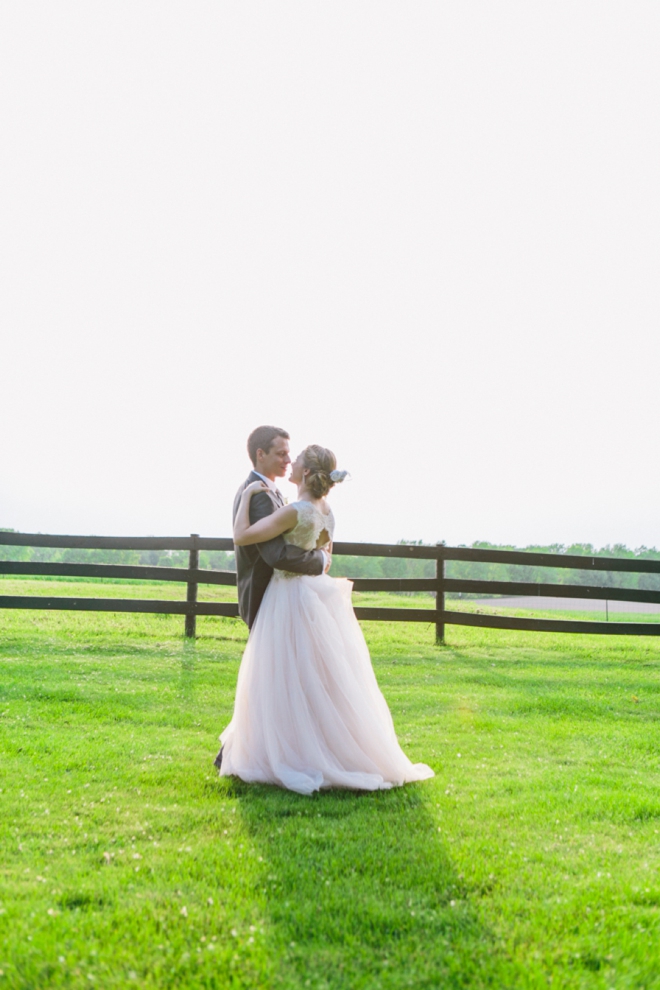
{"type": "Point", "coordinates": [338, 476]}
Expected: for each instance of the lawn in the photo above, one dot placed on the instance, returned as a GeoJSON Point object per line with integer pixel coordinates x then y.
{"type": "Point", "coordinates": [531, 860]}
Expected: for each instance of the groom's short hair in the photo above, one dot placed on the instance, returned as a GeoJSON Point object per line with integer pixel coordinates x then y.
{"type": "Point", "coordinates": [262, 439]}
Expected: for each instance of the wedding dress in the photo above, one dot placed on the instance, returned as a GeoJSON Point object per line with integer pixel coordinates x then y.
{"type": "Point", "coordinates": [308, 712]}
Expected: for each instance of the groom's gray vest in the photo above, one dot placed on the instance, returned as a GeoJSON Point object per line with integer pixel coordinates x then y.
{"type": "Point", "coordinates": [255, 564]}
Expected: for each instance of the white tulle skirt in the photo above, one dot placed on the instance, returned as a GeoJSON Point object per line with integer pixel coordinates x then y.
{"type": "Point", "coordinates": [308, 712]}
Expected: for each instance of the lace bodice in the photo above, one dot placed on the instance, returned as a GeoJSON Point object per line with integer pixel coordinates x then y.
{"type": "Point", "coordinates": [311, 523]}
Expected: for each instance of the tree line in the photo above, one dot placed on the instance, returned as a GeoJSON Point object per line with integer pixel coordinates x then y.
{"type": "Point", "coordinates": [385, 567]}
{"type": "Point", "coordinates": [473, 570]}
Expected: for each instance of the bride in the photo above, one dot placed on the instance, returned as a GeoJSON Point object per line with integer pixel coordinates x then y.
{"type": "Point", "coordinates": [308, 712]}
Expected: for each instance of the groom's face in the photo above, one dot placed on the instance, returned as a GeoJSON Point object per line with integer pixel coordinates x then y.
{"type": "Point", "coordinates": [276, 461]}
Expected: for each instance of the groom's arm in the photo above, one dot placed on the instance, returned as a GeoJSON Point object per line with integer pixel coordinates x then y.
{"type": "Point", "coordinates": [278, 554]}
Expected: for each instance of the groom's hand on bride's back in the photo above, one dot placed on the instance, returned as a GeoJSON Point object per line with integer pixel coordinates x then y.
{"type": "Point", "coordinates": [328, 558]}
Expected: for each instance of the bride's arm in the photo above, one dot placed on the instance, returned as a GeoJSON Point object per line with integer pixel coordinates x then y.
{"type": "Point", "coordinates": [273, 525]}
{"type": "Point", "coordinates": [281, 521]}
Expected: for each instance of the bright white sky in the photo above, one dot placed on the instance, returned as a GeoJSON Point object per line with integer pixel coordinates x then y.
{"type": "Point", "coordinates": [423, 234]}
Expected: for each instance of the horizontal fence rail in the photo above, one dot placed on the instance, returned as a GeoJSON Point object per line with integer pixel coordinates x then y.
{"type": "Point", "coordinates": [192, 576]}
{"type": "Point", "coordinates": [115, 542]}
{"type": "Point", "coordinates": [141, 572]}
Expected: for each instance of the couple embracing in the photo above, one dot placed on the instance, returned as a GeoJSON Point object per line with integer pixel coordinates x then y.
{"type": "Point", "coordinates": [308, 712]}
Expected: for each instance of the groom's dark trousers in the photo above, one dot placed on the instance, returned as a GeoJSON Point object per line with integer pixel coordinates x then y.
{"type": "Point", "coordinates": [255, 564]}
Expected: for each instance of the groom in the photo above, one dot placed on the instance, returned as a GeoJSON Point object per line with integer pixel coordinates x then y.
{"type": "Point", "coordinates": [268, 447]}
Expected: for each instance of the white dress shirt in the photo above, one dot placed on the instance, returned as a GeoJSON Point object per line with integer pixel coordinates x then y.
{"type": "Point", "coordinates": [271, 484]}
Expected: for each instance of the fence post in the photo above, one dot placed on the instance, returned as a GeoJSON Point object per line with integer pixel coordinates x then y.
{"type": "Point", "coordinates": [191, 597]}
{"type": "Point", "coordinates": [440, 599]}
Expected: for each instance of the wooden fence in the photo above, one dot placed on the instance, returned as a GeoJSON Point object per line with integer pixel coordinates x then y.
{"type": "Point", "coordinates": [192, 576]}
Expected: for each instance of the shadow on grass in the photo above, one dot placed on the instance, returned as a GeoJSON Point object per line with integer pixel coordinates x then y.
{"type": "Point", "coordinates": [361, 892]}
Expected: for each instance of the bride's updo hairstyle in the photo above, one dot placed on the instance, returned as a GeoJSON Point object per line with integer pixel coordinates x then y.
{"type": "Point", "coordinates": [322, 465]}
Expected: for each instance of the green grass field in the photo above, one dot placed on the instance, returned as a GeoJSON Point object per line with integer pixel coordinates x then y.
{"type": "Point", "coordinates": [531, 860]}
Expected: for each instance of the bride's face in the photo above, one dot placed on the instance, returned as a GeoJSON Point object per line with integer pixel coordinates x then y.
{"type": "Point", "coordinates": [297, 475]}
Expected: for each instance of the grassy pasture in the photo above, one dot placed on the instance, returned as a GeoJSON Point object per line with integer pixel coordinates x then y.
{"type": "Point", "coordinates": [531, 860]}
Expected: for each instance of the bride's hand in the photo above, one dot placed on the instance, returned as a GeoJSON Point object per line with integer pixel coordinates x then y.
{"type": "Point", "coordinates": [255, 486]}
